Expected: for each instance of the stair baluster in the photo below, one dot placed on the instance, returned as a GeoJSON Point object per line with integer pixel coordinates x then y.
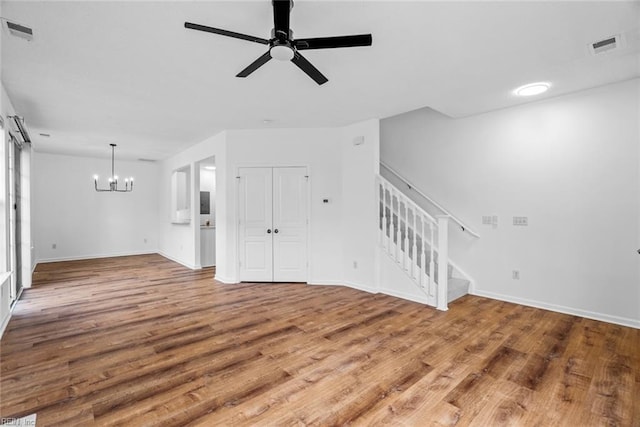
{"type": "Point", "coordinates": [443, 261]}
{"type": "Point", "coordinates": [384, 227]}
{"type": "Point", "coordinates": [426, 261]}
{"type": "Point", "coordinates": [414, 251]}
{"type": "Point", "coordinates": [405, 242]}
{"type": "Point", "coordinates": [432, 283]}
{"type": "Point", "coordinates": [396, 230]}
{"type": "Point", "coordinates": [424, 278]}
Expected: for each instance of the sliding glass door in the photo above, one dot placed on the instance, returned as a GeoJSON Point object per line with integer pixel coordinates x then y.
{"type": "Point", "coordinates": [15, 219]}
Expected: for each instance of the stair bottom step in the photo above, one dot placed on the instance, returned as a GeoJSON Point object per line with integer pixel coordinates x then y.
{"type": "Point", "coordinates": [457, 288]}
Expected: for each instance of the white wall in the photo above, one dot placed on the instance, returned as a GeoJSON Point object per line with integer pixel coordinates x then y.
{"type": "Point", "coordinates": [339, 171]}
{"type": "Point", "coordinates": [320, 151]}
{"type": "Point", "coordinates": [181, 242]}
{"type": "Point", "coordinates": [570, 164]}
{"type": "Point", "coordinates": [83, 223]}
{"type": "Point", "coordinates": [360, 164]}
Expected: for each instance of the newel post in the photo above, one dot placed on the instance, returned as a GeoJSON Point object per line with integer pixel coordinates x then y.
{"type": "Point", "coordinates": [443, 261]}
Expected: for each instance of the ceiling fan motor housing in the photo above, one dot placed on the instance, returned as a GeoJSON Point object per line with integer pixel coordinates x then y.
{"type": "Point", "coordinates": [282, 45]}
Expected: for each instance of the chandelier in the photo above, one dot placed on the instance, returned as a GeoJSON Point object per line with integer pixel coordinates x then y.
{"type": "Point", "coordinates": [113, 179]}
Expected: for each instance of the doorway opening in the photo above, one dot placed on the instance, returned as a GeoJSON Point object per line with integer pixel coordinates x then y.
{"type": "Point", "coordinates": [207, 213]}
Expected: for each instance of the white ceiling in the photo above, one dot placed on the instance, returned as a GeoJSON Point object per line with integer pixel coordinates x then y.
{"type": "Point", "coordinates": [129, 72]}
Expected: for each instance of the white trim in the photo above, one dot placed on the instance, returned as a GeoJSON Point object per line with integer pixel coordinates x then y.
{"type": "Point", "coordinates": [4, 279]}
{"type": "Point", "coordinates": [406, 296]}
{"type": "Point", "coordinates": [328, 282]}
{"type": "Point", "coordinates": [360, 287]}
{"type": "Point", "coordinates": [225, 280]}
{"type": "Point", "coordinates": [94, 256]}
{"type": "Point", "coordinates": [370, 290]}
{"type": "Point", "coordinates": [429, 199]}
{"type": "Point", "coordinates": [170, 258]}
{"type": "Point", "coordinates": [345, 284]}
{"type": "Point", "coordinates": [5, 322]}
{"type": "Point", "coordinates": [623, 321]}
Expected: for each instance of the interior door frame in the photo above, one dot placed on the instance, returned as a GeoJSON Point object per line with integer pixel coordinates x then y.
{"type": "Point", "coordinates": [236, 217]}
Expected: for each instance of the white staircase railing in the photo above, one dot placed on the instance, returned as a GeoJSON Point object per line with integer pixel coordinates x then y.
{"type": "Point", "coordinates": [417, 241]}
{"type": "Point", "coordinates": [463, 226]}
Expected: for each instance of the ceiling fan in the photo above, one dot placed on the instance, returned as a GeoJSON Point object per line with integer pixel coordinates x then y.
{"type": "Point", "coordinates": [283, 46]}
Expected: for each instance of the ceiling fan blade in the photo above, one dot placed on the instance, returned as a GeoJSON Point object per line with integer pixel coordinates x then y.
{"type": "Point", "coordinates": [281, 18]}
{"type": "Point", "coordinates": [306, 66]}
{"type": "Point", "coordinates": [235, 35]}
{"type": "Point", "coordinates": [334, 42]}
{"type": "Point", "coordinates": [255, 65]}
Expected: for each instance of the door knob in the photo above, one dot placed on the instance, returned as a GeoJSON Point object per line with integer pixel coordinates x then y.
{"type": "Point", "coordinates": [268, 231]}
{"type": "Point", "coordinates": [275, 231]}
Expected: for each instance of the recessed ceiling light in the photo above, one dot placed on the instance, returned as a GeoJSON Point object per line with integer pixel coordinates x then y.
{"type": "Point", "coordinates": [532, 89]}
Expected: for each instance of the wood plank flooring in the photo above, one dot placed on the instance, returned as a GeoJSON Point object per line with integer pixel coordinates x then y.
{"type": "Point", "coordinates": [144, 341]}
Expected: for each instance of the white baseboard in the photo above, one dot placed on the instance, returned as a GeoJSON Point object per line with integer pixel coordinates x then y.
{"type": "Point", "coordinates": [93, 256]}
{"type": "Point", "coordinates": [348, 284]}
{"type": "Point", "coordinates": [361, 287]}
{"type": "Point", "coordinates": [190, 266]}
{"type": "Point", "coordinates": [623, 321]}
{"type": "Point", "coordinates": [225, 280]}
{"type": "Point", "coordinates": [329, 282]}
{"type": "Point", "coordinates": [370, 290]}
{"type": "Point", "coordinates": [404, 295]}
{"type": "Point", "coordinates": [5, 322]}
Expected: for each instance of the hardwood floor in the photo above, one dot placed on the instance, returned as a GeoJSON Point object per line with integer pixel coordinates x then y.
{"type": "Point", "coordinates": [144, 341]}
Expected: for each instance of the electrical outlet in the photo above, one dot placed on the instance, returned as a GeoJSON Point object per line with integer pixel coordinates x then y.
{"type": "Point", "coordinates": [145, 240]}
{"type": "Point", "coordinates": [355, 264]}
{"type": "Point", "coordinates": [515, 275]}
{"type": "Point", "coordinates": [54, 246]}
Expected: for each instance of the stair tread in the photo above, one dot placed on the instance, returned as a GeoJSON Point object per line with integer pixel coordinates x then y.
{"type": "Point", "coordinates": [457, 288]}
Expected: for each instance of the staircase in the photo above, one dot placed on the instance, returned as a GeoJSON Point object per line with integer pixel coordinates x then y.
{"type": "Point", "coordinates": [418, 243]}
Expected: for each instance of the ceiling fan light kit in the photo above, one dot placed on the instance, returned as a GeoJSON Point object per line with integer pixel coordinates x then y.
{"type": "Point", "coordinates": [282, 45]}
{"type": "Point", "coordinates": [281, 52]}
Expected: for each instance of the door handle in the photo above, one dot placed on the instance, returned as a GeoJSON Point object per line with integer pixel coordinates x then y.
{"type": "Point", "coordinates": [275, 231]}
{"type": "Point", "coordinates": [268, 231]}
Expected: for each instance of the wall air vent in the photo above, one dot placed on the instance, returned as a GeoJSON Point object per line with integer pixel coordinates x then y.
{"type": "Point", "coordinates": [605, 45]}
{"type": "Point", "coordinates": [18, 30]}
{"type": "Point", "coordinates": [146, 160]}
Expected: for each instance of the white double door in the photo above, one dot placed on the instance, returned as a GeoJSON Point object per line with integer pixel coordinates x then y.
{"type": "Point", "coordinates": [273, 224]}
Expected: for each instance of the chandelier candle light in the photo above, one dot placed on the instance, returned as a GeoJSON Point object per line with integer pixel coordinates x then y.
{"type": "Point", "coordinates": [113, 180]}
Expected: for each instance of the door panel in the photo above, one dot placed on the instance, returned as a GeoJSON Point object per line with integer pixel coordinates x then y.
{"type": "Point", "coordinates": [255, 214]}
{"type": "Point", "coordinates": [290, 219]}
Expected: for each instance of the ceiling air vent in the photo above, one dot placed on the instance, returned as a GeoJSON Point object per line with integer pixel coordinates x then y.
{"type": "Point", "coordinates": [606, 45]}
{"type": "Point", "coordinates": [18, 30]}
